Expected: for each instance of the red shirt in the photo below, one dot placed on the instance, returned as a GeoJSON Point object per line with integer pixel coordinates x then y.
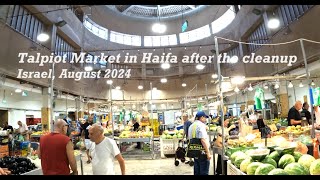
{"type": "Point", "coordinates": [53, 150]}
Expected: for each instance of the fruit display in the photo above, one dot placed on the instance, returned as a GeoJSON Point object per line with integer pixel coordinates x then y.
{"type": "Point", "coordinates": [173, 134]}
{"type": "Point", "coordinates": [296, 130]}
{"type": "Point", "coordinates": [261, 162]}
{"type": "Point", "coordinates": [133, 134]}
{"type": "Point", "coordinates": [234, 143]}
{"type": "Point", "coordinates": [77, 152]}
{"type": "Point", "coordinates": [17, 165]}
{"type": "Point", "coordinates": [40, 133]}
{"type": "Point", "coordinates": [107, 131]}
{"type": "Point", "coordinates": [212, 127]}
{"type": "Point", "coordinates": [315, 167]}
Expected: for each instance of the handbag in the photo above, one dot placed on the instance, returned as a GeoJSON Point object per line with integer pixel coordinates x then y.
{"type": "Point", "coordinates": [195, 148]}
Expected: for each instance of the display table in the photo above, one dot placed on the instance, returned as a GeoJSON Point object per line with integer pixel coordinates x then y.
{"type": "Point", "coordinates": [233, 170]}
{"type": "Point", "coordinates": [217, 150]}
{"type": "Point", "coordinates": [37, 171]}
{"type": "Point", "coordinates": [169, 146]}
{"type": "Point", "coordinates": [135, 140]}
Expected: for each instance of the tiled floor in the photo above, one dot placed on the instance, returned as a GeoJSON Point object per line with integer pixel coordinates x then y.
{"type": "Point", "coordinates": [146, 166]}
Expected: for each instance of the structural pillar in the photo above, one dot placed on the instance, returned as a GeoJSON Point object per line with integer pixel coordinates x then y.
{"type": "Point", "coordinates": [46, 110]}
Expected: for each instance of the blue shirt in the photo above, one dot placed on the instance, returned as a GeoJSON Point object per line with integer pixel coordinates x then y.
{"type": "Point", "coordinates": [186, 126]}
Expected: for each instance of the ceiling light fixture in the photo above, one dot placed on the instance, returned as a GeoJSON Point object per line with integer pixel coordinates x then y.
{"type": "Point", "coordinates": [109, 81]}
{"type": "Point", "coordinates": [273, 23]}
{"type": "Point", "coordinates": [236, 89]}
{"type": "Point", "coordinates": [140, 87]}
{"type": "Point", "coordinates": [183, 84]}
{"type": "Point", "coordinates": [276, 86]}
{"type": "Point", "coordinates": [165, 66]}
{"type": "Point", "coordinates": [237, 79]}
{"type": "Point", "coordinates": [42, 37]}
{"type": "Point", "coordinates": [214, 76]}
{"type": "Point", "coordinates": [159, 28]}
{"type": "Point", "coordinates": [312, 83]}
{"type": "Point", "coordinates": [118, 87]}
{"type": "Point", "coordinates": [266, 86]}
{"type": "Point", "coordinates": [163, 80]}
{"type": "Point", "coordinates": [234, 59]}
{"type": "Point", "coordinates": [250, 88]}
{"type": "Point", "coordinates": [18, 91]}
{"type": "Point", "coordinates": [290, 85]}
{"type": "Point", "coordinates": [200, 66]}
{"type": "Point", "coordinates": [301, 85]}
{"type": "Point", "coordinates": [88, 68]}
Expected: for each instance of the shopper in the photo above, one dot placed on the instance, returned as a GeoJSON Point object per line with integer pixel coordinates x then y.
{"type": "Point", "coordinates": [186, 125]}
{"type": "Point", "coordinates": [85, 132]}
{"type": "Point", "coordinates": [305, 112]}
{"type": "Point", "coordinates": [7, 127]}
{"type": "Point", "coordinates": [23, 130]}
{"type": "Point", "coordinates": [226, 136]}
{"type": "Point", "coordinates": [136, 126]}
{"type": "Point", "coordinates": [103, 152]}
{"type": "Point", "coordinates": [201, 165]}
{"type": "Point", "coordinates": [294, 116]}
{"type": "Point", "coordinates": [56, 151]}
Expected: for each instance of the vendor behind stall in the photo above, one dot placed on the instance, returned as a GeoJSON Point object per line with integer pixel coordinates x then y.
{"type": "Point", "coordinates": [294, 116]}
{"type": "Point", "coordinates": [305, 112]}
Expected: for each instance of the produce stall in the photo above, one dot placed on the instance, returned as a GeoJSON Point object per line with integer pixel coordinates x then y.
{"type": "Point", "coordinates": [129, 137]}
{"type": "Point", "coordinates": [169, 142]}
{"type": "Point", "coordinates": [289, 151]}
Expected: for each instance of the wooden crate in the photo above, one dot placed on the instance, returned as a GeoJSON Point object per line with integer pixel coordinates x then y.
{"type": "Point", "coordinates": [4, 154]}
{"type": "Point", "coordinates": [4, 148]}
{"type": "Point", "coordinates": [233, 170]}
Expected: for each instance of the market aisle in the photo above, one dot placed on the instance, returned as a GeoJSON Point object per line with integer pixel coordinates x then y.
{"type": "Point", "coordinates": [151, 167]}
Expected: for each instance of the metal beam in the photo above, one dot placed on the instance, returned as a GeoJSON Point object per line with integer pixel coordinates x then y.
{"type": "Point", "coordinates": [128, 8]}
{"type": "Point", "coordinates": [192, 6]}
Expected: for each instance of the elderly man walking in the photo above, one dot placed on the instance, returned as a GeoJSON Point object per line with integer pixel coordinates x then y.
{"type": "Point", "coordinates": [103, 152]}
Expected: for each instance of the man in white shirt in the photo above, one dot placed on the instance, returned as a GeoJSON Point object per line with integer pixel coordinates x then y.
{"type": "Point", "coordinates": [201, 166]}
{"type": "Point", "coordinates": [23, 130]}
{"type": "Point", "coordinates": [103, 152]}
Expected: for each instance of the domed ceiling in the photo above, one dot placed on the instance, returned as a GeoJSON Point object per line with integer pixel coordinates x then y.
{"type": "Point", "coordinates": [154, 11]}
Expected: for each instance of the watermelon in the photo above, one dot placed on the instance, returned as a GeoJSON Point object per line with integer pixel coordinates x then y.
{"type": "Point", "coordinates": [278, 171]}
{"type": "Point", "coordinates": [285, 160]}
{"type": "Point", "coordinates": [244, 164]}
{"type": "Point", "coordinates": [306, 160]}
{"type": "Point", "coordinates": [270, 161]}
{"type": "Point", "coordinates": [275, 156]}
{"type": "Point", "coordinates": [236, 154]}
{"type": "Point", "coordinates": [239, 160]}
{"type": "Point", "coordinates": [297, 156]}
{"type": "Point", "coordinates": [251, 169]}
{"type": "Point", "coordinates": [315, 167]}
{"type": "Point", "coordinates": [264, 169]}
{"type": "Point", "coordinates": [296, 169]}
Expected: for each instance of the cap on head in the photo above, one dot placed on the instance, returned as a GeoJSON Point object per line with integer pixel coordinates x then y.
{"type": "Point", "coordinates": [201, 113]}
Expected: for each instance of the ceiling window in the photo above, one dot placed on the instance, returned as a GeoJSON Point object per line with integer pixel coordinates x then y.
{"type": "Point", "coordinates": [223, 21]}
{"type": "Point", "coordinates": [126, 39]}
{"type": "Point", "coordinates": [96, 29]}
{"type": "Point", "coordinates": [195, 34]}
{"type": "Point", "coordinates": [153, 41]}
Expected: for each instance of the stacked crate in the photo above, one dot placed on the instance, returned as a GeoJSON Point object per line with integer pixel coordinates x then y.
{"type": "Point", "coordinates": [4, 151]}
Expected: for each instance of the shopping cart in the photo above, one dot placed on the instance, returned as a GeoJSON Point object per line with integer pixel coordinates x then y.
{"type": "Point", "coordinates": [180, 154]}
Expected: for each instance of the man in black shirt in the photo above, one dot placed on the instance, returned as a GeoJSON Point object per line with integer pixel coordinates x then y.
{"type": "Point", "coordinates": [305, 112]}
{"type": "Point", "coordinates": [136, 126]}
{"type": "Point", "coordinates": [6, 127]}
{"type": "Point", "coordinates": [294, 116]}
{"type": "Point", "coordinates": [85, 132]}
